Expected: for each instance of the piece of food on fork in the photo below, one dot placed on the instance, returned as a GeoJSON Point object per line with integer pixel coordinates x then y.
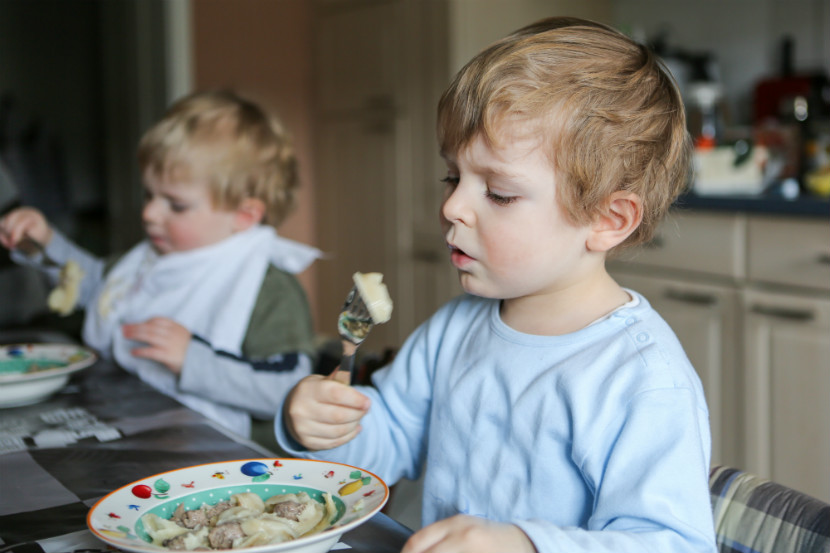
{"type": "Point", "coordinates": [64, 297]}
{"type": "Point", "coordinates": [368, 304]}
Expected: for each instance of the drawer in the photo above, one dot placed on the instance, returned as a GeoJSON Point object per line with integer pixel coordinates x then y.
{"type": "Point", "coordinates": [710, 243]}
{"type": "Point", "coordinates": [790, 252]}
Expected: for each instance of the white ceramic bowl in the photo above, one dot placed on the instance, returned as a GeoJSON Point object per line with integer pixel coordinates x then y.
{"type": "Point", "coordinates": [32, 372]}
{"type": "Point", "coordinates": [116, 518]}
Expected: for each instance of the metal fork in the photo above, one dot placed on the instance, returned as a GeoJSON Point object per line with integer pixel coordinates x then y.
{"type": "Point", "coordinates": [353, 325]}
{"type": "Point", "coordinates": [30, 245]}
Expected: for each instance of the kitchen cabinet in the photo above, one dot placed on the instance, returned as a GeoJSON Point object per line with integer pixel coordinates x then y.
{"type": "Point", "coordinates": [375, 156]}
{"type": "Point", "coordinates": [705, 318]}
{"type": "Point", "coordinates": [749, 298]}
{"type": "Point", "coordinates": [689, 274]}
{"type": "Point", "coordinates": [787, 345]}
{"type": "Point", "coordinates": [359, 119]}
{"type": "Point", "coordinates": [787, 352]}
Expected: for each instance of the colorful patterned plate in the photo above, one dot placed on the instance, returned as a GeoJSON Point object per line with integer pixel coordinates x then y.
{"type": "Point", "coordinates": [358, 494]}
{"type": "Point", "coordinates": [32, 372]}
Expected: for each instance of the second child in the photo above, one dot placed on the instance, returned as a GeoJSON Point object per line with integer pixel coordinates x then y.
{"type": "Point", "coordinates": [206, 308]}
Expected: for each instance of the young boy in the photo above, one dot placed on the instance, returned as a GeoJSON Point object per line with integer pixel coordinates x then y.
{"type": "Point", "coordinates": [206, 308]}
{"type": "Point", "coordinates": [552, 409]}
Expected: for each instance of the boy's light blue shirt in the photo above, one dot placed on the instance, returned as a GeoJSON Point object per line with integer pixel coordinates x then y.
{"type": "Point", "coordinates": [595, 441]}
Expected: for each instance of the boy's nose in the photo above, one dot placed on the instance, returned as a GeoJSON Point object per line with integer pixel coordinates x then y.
{"type": "Point", "coordinates": [149, 213]}
{"type": "Point", "coordinates": [456, 208]}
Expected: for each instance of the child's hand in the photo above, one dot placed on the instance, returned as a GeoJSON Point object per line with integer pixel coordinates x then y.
{"type": "Point", "coordinates": [468, 534]}
{"type": "Point", "coordinates": [22, 222]}
{"type": "Point", "coordinates": [321, 413]}
{"type": "Point", "coordinates": [166, 341]}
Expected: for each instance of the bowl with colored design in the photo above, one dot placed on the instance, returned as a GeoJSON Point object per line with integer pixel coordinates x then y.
{"type": "Point", "coordinates": [252, 505]}
{"type": "Point", "coordinates": [32, 372]}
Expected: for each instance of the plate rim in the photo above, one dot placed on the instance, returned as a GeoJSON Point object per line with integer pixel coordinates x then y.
{"type": "Point", "coordinates": [13, 378]}
{"type": "Point", "coordinates": [333, 531]}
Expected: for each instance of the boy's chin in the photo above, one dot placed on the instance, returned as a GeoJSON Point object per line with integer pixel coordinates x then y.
{"type": "Point", "coordinates": [158, 248]}
{"type": "Point", "coordinates": [474, 287]}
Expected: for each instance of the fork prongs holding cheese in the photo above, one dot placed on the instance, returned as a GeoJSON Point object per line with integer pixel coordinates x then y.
{"type": "Point", "coordinates": [367, 305]}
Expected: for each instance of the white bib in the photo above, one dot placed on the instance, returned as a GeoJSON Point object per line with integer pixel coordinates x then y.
{"type": "Point", "coordinates": [211, 291]}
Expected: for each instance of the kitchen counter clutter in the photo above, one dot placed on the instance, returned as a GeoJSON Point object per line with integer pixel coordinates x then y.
{"type": "Point", "coordinates": [748, 294]}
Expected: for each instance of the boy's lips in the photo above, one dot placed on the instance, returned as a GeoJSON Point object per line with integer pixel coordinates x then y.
{"type": "Point", "coordinates": [458, 257]}
{"type": "Point", "coordinates": [156, 240]}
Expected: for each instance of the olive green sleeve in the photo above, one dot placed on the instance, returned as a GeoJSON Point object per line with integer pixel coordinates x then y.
{"type": "Point", "coordinates": [281, 319]}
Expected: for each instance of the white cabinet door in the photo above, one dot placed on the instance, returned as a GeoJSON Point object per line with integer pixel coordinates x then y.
{"type": "Point", "coordinates": [358, 52]}
{"type": "Point", "coordinates": [787, 340]}
{"type": "Point", "coordinates": [789, 252]}
{"type": "Point", "coordinates": [356, 163]}
{"type": "Point", "coordinates": [705, 320]}
{"type": "Point", "coordinates": [361, 159]}
{"type": "Point", "coordinates": [695, 245]}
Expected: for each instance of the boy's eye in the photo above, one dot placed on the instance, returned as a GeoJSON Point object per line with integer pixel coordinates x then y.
{"type": "Point", "coordinates": [499, 199]}
{"type": "Point", "coordinates": [450, 184]}
{"type": "Point", "coordinates": [450, 180]}
{"type": "Point", "coordinates": [178, 207]}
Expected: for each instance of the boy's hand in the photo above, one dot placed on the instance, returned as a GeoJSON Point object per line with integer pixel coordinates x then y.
{"type": "Point", "coordinates": [166, 341]}
{"type": "Point", "coordinates": [22, 222]}
{"type": "Point", "coordinates": [468, 534]}
{"type": "Point", "coordinates": [321, 413]}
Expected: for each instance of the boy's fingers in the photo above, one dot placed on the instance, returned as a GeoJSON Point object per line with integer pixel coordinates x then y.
{"type": "Point", "coordinates": [346, 396]}
{"type": "Point", "coordinates": [317, 442]}
{"type": "Point", "coordinates": [343, 377]}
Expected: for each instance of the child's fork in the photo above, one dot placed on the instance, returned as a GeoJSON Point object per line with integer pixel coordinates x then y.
{"type": "Point", "coordinates": [31, 245]}
{"type": "Point", "coordinates": [367, 304]}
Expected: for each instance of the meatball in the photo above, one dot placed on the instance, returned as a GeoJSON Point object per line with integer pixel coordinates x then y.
{"type": "Point", "coordinates": [290, 510]}
{"type": "Point", "coordinates": [222, 536]}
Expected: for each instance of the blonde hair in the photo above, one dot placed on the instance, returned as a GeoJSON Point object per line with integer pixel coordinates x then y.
{"type": "Point", "coordinates": [232, 143]}
{"type": "Point", "coordinates": [605, 107]}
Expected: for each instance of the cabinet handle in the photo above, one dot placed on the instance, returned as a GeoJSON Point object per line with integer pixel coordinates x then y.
{"type": "Point", "coordinates": [784, 313]}
{"type": "Point", "coordinates": [697, 298]}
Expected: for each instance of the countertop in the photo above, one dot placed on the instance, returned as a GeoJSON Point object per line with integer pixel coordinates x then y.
{"type": "Point", "coordinates": [771, 204]}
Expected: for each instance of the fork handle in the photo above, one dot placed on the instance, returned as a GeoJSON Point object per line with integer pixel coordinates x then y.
{"type": "Point", "coordinates": [32, 245]}
{"type": "Point", "coordinates": [347, 365]}
{"type": "Point", "coordinates": [345, 372]}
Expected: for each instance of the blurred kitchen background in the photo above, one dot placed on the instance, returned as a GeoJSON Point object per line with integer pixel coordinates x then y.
{"type": "Point", "coordinates": [741, 269]}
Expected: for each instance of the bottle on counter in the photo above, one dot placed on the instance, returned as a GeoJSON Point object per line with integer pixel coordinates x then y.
{"type": "Point", "coordinates": [704, 113]}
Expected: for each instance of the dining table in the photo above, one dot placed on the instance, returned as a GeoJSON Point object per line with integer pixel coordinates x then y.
{"type": "Point", "coordinates": [106, 429]}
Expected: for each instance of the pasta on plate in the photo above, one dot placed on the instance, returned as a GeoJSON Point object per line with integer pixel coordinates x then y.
{"type": "Point", "coordinates": [244, 520]}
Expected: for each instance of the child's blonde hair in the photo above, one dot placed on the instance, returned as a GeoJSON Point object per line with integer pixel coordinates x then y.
{"type": "Point", "coordinates": [232, 144]}
{"type": "Point", "coordinates": [605, 107]}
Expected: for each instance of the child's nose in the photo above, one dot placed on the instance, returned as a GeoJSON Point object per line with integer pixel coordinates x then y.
{"type": "Point", "coordinates": [150, 213]}
{"type": "Point", "coordinates": [456, 207]}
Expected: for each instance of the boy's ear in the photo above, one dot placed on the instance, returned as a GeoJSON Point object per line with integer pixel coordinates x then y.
{"type": "Point", "coordinates": [249, 213]}
{"type": "Point", "coordinates": [621, 215]}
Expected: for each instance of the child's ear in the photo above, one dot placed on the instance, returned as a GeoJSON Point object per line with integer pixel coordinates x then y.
{"type": "Point", "coordinates": [619, 218]}
{"type": "Point", "coordinates": [249, 213]}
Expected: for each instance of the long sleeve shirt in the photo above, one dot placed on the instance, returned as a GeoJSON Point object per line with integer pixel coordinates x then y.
{"type": "Point", "coordinates": [597, 440]}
